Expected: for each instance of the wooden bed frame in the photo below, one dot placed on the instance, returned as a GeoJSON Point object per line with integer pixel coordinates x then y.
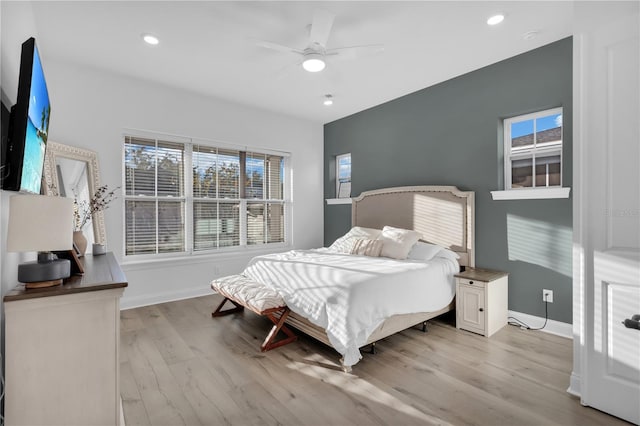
{"type": "Point", "coordinates": [444, 215]}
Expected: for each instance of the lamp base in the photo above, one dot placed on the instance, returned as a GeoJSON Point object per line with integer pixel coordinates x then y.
{"type": "Point", "coordinates": [44, 271]}
{"type": "Point", "coordinates": [43, 284]}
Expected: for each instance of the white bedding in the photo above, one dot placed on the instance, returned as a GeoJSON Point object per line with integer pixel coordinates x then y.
{"type": "Point", "coordinates": [350, 296]}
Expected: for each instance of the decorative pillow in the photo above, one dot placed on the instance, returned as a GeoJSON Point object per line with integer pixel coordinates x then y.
{"type": "Point", "coordinates": [426, 251]}
{"type": "Point", "coordinates": [397, 242]}
{"type": "Point", "coordinates": [365, 247]}
{"type": "Point", "coordinates": [345, 243]}
{"type": "Point", "coordinates": [448, 254]}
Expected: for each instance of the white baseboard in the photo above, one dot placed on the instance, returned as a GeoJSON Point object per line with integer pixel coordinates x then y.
{"type": "Point", "coordinates": [558, 328]}
{"type": "Point", "coordinates": [574, 385]}
{"type": "Point", "coordinates": [170, 296]}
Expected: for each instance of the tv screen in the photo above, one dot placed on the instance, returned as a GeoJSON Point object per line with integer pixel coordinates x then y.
{"type": "Point", "coordinates": [29, 125]}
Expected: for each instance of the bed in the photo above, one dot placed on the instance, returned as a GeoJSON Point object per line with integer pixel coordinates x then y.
{"type": "Point", "coordinates": [442, 215]}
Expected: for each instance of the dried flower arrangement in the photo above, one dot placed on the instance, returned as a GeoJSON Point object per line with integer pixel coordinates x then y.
{"type": "Point", "coordinates": [83, 210]}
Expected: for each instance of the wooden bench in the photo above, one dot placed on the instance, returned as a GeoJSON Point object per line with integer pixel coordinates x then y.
{"type": "Point", "coordinates": [244, 292]}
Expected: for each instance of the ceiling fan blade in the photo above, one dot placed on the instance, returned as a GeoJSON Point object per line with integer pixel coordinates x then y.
{"type": "Point", "coordinates": [278, 47]}
{"type": "Point", "coordinates": [354, 52]}
{"type": "Point", "coordinates": [321, 27]}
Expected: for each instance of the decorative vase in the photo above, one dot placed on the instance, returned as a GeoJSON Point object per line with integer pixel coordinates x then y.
{"type": "Point", "coordinates": [80, 242]}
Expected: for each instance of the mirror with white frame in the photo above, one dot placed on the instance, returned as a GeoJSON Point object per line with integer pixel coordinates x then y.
{"type": "Point", "coordinates": [74, 173]}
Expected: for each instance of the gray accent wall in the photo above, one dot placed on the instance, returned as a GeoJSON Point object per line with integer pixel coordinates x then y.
{"type": "Point", "coordinates": [450, 134]}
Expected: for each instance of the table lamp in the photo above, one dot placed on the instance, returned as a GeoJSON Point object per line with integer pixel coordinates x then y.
{"type": "Point", "coordinates": [43, 224]}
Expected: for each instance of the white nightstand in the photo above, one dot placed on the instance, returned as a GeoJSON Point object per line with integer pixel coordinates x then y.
{"type": "Point", "coordinates": [481, 300]}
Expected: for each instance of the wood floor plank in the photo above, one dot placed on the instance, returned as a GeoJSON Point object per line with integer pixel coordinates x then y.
{"type": "Point", "coordinates": [132, 404]}
{"type": "Point", "coordinates": [211, 402]}
{"type": "Point", "coordinates": [164, 402]}
{"type": "Point", "coordinates": [180, 366]}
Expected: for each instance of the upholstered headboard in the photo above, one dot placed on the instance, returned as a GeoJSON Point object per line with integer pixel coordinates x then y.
{"type": "Point", "coordinates": [444, 215]}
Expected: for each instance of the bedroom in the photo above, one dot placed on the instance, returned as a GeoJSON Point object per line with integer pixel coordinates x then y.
{"type": "Point", "coordinates": [144, 104]}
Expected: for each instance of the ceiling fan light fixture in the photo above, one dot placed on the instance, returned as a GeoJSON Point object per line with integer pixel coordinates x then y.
{"type": "Point", "coordinates": [313, 62]}
{"type": "Point", "coordinates": [495, 19]}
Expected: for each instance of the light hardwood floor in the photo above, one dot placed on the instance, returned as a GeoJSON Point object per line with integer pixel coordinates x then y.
{"type": "Point", "coordinates": [181, 367]}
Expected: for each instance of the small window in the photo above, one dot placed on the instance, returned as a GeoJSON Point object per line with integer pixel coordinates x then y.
{"type": "Point", "coordinates": [343, 176]}
{"type": "Point", "coordinates": [533, 150]}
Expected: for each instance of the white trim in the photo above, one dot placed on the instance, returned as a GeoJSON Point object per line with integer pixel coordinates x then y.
{"type": "Point", "coordinates": [531, 193]}
{"type": "Point", "coordinates": [141, 262]}
{"type": "Point", "coordinates": [332, 201]}
{"type": "Point", "coordinates": [558, 328]}
{"type": "Point", "coordinates": [169, 296]}
{"type": "Point", "coordinates": [338, 158]}
{"type": "Point", "coordinates": [574, 385]}
{"type": "Point", "coordinates": [529, 152]}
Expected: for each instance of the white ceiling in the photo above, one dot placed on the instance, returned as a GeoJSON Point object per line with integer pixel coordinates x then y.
{"type": "Point", "coordinates": [209, 47]}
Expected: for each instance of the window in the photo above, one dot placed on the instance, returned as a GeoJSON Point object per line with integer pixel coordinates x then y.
{"type": "Point", "coordinates": [343, 176]}
{"type": "Point", "coordinates": [183, 197]}
{"type": "Point", "coordinates": [533, 150]}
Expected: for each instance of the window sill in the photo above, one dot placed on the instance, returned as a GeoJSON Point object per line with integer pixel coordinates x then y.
{"type": "Point", "coordinates": [133, 263]}
{"type": "Point", "coordinates": [531, 194]}
{"type": "Point", "coordinates": [331, 201]}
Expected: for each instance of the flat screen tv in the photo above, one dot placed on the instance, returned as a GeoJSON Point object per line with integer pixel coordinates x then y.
{"type": "Point", "coordinates": [28, 126]}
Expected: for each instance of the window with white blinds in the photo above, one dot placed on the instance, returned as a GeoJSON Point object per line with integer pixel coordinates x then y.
{"type": "Point", "coordinates": [187, 197]}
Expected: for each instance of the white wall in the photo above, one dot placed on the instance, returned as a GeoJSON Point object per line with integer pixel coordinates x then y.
{"type": "Point", "coordinates": [91, 108]}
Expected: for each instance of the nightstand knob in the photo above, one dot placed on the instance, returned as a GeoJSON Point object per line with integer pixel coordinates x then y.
{"type": "Point", "coordinates": [481, 310]}
{"type": "Point", "coordinates": [470, 282]}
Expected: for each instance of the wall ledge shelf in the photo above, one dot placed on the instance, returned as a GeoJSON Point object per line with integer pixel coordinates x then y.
{"type": "Point", "coordinates": [331, 201]}
{"type": "Point", "coordinates": [531, 194]}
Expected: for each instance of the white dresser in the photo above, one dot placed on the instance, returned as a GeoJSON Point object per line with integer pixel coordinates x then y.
{"type": "Point", "coordinates": [62, 349]}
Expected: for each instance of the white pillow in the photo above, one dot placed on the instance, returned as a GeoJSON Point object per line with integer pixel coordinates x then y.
{"type": "Point", "coordinates": [448, 254]}
{"type": "Point", "coordinates": [426, 251]}
{"type": "Point", "coordinates": [345, 243]}
{"type": "Point", "coordinates": [397, 242]}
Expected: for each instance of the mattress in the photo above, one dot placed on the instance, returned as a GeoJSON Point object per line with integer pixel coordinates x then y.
{"type": "Point", "coordinates": [349, 296]}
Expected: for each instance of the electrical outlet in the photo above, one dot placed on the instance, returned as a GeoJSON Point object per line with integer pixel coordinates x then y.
{"type": "Point", "coordinates": [547, 296]}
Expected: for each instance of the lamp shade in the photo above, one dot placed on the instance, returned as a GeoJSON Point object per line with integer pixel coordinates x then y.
{"type": "Point", "coordinates": [40, 223]}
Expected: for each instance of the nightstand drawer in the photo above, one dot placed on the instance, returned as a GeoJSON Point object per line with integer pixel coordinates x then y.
{"type": "Point", "coordinates": [474, 283]}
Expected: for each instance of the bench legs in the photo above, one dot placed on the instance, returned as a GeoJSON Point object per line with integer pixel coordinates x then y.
{"type": "Point", "coordinates": [278, 324]}
{"type": "Point", "coordinates": [219, 312]}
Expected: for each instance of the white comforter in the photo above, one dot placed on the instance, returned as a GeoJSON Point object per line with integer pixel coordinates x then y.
{"type": "Point", "coordinates": [350, 296]}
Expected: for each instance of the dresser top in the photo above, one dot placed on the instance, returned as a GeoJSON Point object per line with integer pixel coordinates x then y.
{"type": "Point", "coordinates": [478, 274]}
{"type": "Point", "coordinates": [101, 273]}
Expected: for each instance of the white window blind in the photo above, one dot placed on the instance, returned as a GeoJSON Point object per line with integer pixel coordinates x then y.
{"type": "Point", "coordinates": [154, 192]}
{"type": "Point", "coordinates": [216, 201]}
{"type": "Point", "coordinates": [229, 197]}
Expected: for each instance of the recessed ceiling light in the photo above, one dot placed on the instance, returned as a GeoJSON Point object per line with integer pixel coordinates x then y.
{"type": "Point", "coordinates": [530, 35]}
{"type": "Point", "coordinates": [495, 19]}
{"type": "Point", "coordinates": [150, 39]}
{"type": "Point", "coordinates": [328, 100]}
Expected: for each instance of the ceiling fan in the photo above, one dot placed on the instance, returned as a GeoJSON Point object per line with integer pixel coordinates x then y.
{"type": "Point", "coordinates": [313, 56]}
